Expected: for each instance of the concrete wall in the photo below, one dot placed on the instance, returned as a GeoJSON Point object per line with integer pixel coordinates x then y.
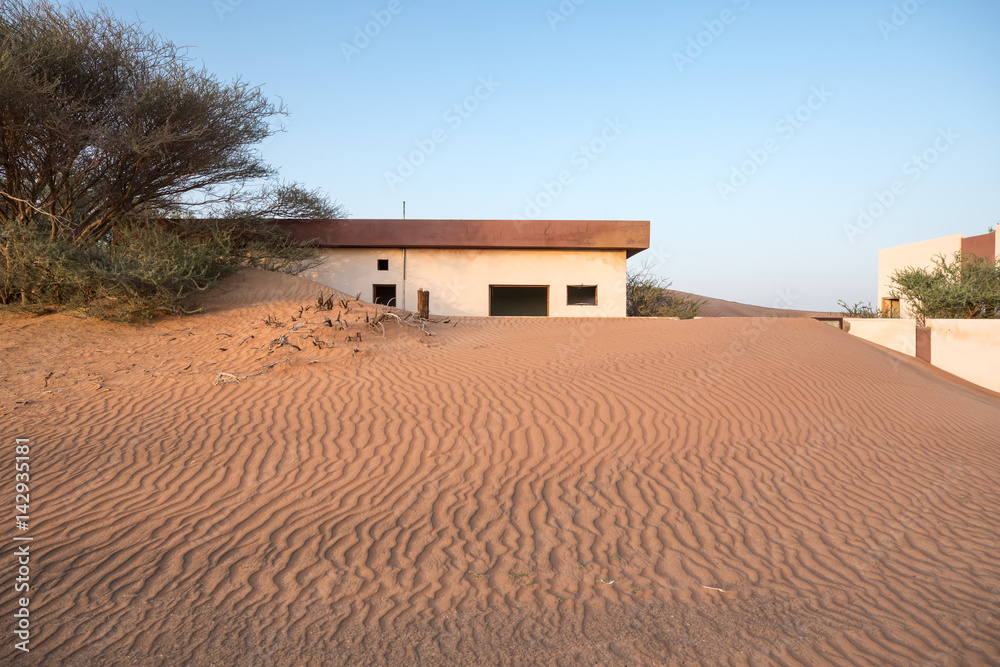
{"type": "Point", "coordinates": [916, 255]}
{"type": "Point", "coordinates": [459, 280]}
{"type": "Point", "coordinates": [969, 349]}
{"type": "Point", "coordinates": [984, 245]}
{"type": "Point", "coordinates": [354, 270]}
{"type": "Point", "coordinates": [899, 335]}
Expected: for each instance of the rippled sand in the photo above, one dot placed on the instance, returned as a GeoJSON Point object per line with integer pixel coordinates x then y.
{"type": "Point", "coordinates": [718, 492]}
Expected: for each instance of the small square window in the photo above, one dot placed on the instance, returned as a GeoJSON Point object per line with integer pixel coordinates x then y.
{"type": "Point", "coordinates": [383, 265]}
{"type": "Point", "coordinates": [581, 295]}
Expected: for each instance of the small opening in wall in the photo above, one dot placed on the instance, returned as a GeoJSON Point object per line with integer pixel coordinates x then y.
{"type": "Point", "coordinates": [384, 294]}
{"type": "Point", "coordinates": [519, 301]}
{"type": "Point", "coordinates": [383, 265]}
{"type": "Point", "coordinates": [890, 307]}
{"type": "Point", "coordinates": [581, 295]}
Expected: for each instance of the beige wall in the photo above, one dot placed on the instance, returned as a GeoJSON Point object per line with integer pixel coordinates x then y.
{"type": "Point", "coordinates": [917, 255]}
{"type": "Point", "coordinates": [969, 349]}
{"type": "Point", "coordinates": [899, 335]}
{"type": "Point", "coordinates": [459, 280]}
{"type": "Point", "coordinates": [354, 270]}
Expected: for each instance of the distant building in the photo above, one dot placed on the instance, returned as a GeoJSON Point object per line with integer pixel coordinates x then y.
{"type": "Point", "coordinates": [921, 255]}
{"type": "Point", "coordinates": [554, 268]}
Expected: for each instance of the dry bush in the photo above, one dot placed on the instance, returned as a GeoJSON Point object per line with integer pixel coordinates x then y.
{"type": "Point", "coordinates": [648, 295]}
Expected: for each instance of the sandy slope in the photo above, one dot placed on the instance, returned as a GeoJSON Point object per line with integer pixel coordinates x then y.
{"type": "Point", "coordinates": [712, 307]}
{"type": "Point", "coordinates": [739, 492]}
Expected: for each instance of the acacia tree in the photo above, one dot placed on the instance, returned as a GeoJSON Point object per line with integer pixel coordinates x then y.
{"type": "Point", "coordinates": [648, 295]}
{"type": "Point", "coordinates": [280, 200]}
{"type": "Point", "coordinates": [101, 120]}
{"type": "Point", "coordinates": [967, 286]}
{"type": "Point", "coordinates": [111, 141]}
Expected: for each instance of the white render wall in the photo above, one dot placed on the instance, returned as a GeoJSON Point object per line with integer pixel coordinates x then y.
{"type": "Point", "coordinates": [354, 270]}
{"type": "Point", "coordinates": [917, 255]}
{"type": "Point", "coordinates": [899, 335]}
{"type": "Point", "coordinates": [459, 280]}
{"type": "Point", "coordinates": [969, 349]}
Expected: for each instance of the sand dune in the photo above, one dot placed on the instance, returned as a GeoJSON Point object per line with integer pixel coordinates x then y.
{"type": "Point", "coordinates": [712, 307]}
{"type": "Point", "coordinates": [522, 491]}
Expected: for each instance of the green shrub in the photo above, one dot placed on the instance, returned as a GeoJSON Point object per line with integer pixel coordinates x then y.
{"type": "Point", "coordinates": [861, 309]}
{"type": "Point", "coordinates": [143, 269]}
{"type": "Point", "coordinates": [647, 295]}
{"type": "Point", "coordinates": [966, 287]}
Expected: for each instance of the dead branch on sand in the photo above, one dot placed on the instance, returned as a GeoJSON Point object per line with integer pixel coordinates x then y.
{"type": "Point", "coordinates": [383, 314]}
{"type": "Point", "coordinates": [279, 343]}
{"type": "Point", "coordinates": [346, 303]}
{"type": "Point", "coordinates": [324, 303]}
{"type": "Point", "coordinates": [226, 378]}
{"type": "Point", "coordinates": [267, 368]}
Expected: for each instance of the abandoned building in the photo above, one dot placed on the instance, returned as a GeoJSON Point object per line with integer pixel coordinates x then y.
{"type": "Point", "coordinates": [541, 268]}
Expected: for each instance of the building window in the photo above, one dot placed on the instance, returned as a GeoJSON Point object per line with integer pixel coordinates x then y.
{"type": "Point", "coordinates": [890, 308]}
{"type": "Point", "coordinates": [383, 265]}
{"type": "Point", "coordinates": [581, 295]}
{"type": "Point", "coordinates": [384, 294]}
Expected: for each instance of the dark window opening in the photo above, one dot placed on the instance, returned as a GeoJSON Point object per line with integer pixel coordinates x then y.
{"type": "Point", "coordinates": [581, 295]}
{"type": "Point", "coordinates": [383, 265]}
{"type": "Point", "coordinates": [384, 294]}
{"type": "Point", "coordinates": [519, 301]}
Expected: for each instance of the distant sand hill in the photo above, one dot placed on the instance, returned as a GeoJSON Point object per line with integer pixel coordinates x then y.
{"type": "Point", "coordinates": [722, 308]}
{"type": "Point", "coordinates": [257, 485]}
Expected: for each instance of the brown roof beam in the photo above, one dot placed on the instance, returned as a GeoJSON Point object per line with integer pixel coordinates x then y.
{"type": "Point", "coordinates": [631, 236]}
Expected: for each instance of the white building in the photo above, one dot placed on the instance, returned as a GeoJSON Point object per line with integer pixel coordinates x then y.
{"type": "Point", "coordinates": [555, 268]}
{"type": "Point", "coordinates": [921, 255]}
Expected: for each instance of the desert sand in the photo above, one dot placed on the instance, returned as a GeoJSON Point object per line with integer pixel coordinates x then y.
{"type": "Point", "coordinates": [714, 307]}
{"type": "Point", "coordinates": [518, 491]}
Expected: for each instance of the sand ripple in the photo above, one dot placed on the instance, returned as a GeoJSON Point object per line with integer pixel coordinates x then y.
{"type": "Point", "coordinates": [739, 492]}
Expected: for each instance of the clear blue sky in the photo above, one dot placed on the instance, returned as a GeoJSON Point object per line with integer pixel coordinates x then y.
{"type": "Point", "coordinates": [749, 133]}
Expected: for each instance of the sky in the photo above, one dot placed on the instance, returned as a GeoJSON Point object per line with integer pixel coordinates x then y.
{"type": "Point", "coordinates": [774, 146]}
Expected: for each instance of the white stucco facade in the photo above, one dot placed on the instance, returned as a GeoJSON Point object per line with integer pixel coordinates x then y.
{"type": "Point", "coordinates": [459, 280]}
{"type": "Point", "coordinates": [894, 334]}
{"type": "Point", "coordinates": [969, 349]}
{"type": "Point", "coordinates": [916, 255]}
